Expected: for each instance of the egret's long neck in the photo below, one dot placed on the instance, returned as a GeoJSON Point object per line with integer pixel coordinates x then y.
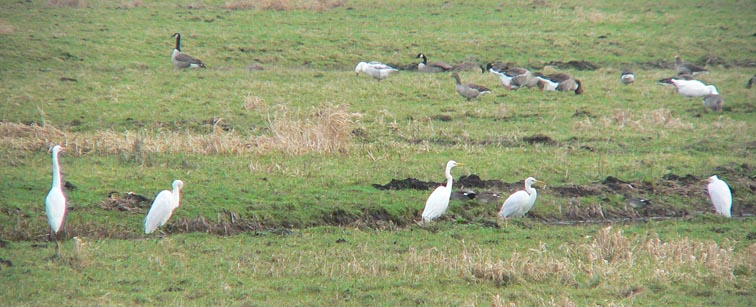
{"type": "Point", "coordinates": [55, 171]}
{"type": "Point", "coordinates": [177, 194]}
{"type": "Point", "coordinates": [449, 178]}
{"type": "Point", "coordinates": [531, 191]}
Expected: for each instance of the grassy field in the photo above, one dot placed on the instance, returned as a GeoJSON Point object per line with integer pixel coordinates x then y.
{"type": "Point", "coordinates": [280, 147]}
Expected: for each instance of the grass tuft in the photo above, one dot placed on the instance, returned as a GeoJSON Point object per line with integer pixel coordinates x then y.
{"type": "Point", "coordinates": [324, 130]}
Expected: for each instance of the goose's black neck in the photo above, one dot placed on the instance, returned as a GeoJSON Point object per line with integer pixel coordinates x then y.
{"type": "Point", "coordinates": [178, 41]}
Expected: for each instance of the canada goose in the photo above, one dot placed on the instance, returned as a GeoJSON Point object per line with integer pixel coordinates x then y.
{"type": "Point", "coordinates": [751, 81]}
{"type": "Point", "coordinates": [183, 60]}
{"type": "Point", "coordinates": [690, 88]}
{"type": "Point", "coordinates": [424, 66]}
{"type": "Point", "coordinates": [559, 82]}
{"type": "Point", "coordinates": [627, 76]}
{"type": "Point", "coordinates": [713, 102]}
{"type": "Point", "coordinates": [469, 90]}
{"type": "Point", "coordinates": [377, 70]}
{"type": "Point", "coordinates": [687, 68]}
{"type": "Point", "coordinates": [514, 78]}
{"type": "Point", "coordinates": [498, 66]}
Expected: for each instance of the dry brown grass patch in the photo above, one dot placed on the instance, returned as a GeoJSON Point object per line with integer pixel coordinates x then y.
{"type": "Point", "coordinates": [30, 137]}
{"type": "Point", "coordinates": [6, 28]}
{"type": "Point", "coordinates": [131, 4]}
{"type": "Point", "coordinates": [67, 3]}
{"type": "Point", "coordinates": [284, 5]}
{"type": "Point", "coordinates": [326, 129]}
{"type": "Point", "coordinates": [645, 122]}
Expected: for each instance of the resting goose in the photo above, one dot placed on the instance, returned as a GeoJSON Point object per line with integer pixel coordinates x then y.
{"type": "Point", "coordinates": [424, 66]}
{"type": "Point", "coordinates": [469, 90]}
{"type": "Point", "coordinates": [559, 82]}
{"type": "Point", "coordinates": [377, 70]}
{"type": "Point", "coordinates": [690, 88]}
{"type": "Point", "coordinates": [514, 78]}
{"type": "Point", "coordinates": [627, 76]}
{"type": "Point", "coordinates": [687, 68]}
{"type": "Point", "coordinates": [183, 60]}
{"type": "Point", "coordinates": [713, 102]}
{"type": "Point", "coordinates": [751, 81]}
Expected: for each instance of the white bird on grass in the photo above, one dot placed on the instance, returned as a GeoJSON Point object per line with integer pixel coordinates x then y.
{"type": "Point", "coordinates": [162, 207]}
{"type": "Point", "coordinates": [720, 195]}
{"type": "Point", "coordinates": [519, 203]}
{"type": "Point", "coordinates": [627, 76]}
{"type": "Point", "coordinates": [691, 88]}
{"type": "Point", "coordinates": [377, 70]}
{"type": "Point", "coordinates": [55, 202]}
{"type": "Point", "coordinates": [438, 201]}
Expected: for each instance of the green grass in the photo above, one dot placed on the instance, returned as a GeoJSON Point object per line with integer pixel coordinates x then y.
{"type": "Point", "coordinates": [98, 80]}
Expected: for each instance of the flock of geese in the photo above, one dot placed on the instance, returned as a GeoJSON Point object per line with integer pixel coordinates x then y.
{"type": "Point", "coordinates": [512, 78]}
{"type": "Point", "coordinates": [516, 205]}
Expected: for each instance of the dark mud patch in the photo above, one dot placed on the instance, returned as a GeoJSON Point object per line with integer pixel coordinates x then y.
{"type": "Point", "coordinates": [126, 202]}
{"type": "Point", "coordinates": [615, 199]}
{"type": "Point", "coordinates": [406, 184]}
{"type": "Point", "coordinates": [539, 139]}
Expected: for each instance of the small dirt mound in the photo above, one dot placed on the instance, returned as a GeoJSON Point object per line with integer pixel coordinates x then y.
{"type": "Point", "coordinates": [125, 202]}
{"type": "Point", "coordinates": [474, 181]}
{"type": "Point", "coordinates": [539, 138]}
{"type": "Point", "coordinates": [227, 223]}
{"type": "Point", "coordinates": [405, 184]}
{"type": "Point", "coordinates": [687, 179]}
{"type": "Point", "coordinates": [339, 217]}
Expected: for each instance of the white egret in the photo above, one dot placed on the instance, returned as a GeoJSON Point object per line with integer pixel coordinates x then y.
{"type": "Point", "coordinates": [469, 90]}
{"type": "Point", "coordinates": [720, 195]}
{"type": "Point", "coordinates": [438, 201]}
{"type": "Point", "coordinates": [520, 202]}
{"type": "Point", "coordinates": [377, 70]}
{"type": "Point", "coordinates": [162, 207]}
{"type": "Point", "coordinates": [55, 202]}
{"type": "Point", "coordinates": [183, 60]}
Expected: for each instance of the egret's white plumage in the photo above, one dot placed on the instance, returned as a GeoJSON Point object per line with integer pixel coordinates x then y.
{"type": "Point", "coordinates": [720, 195]}
{"type": "Point", "coordinates": [55, 202]}
{"type": "Point", "coordinates": [438, 201]}
{"type": "Point", "coordinates": [519, 203]}
{"type": "Point", "coordinates": [377, 70]}
{"type": "Point", "coordinates": [162, 207]}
